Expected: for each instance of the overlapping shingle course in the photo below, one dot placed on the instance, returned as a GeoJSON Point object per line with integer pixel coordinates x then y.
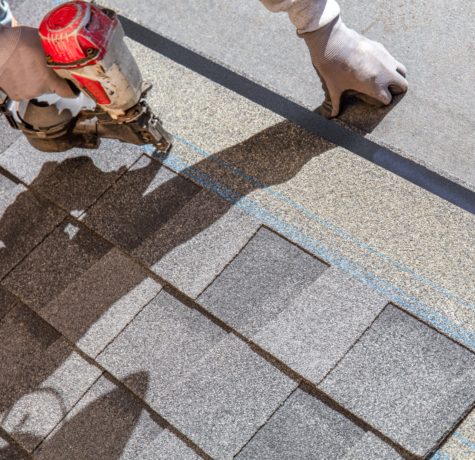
{"type": "Point", "coordinates": [215, 371]}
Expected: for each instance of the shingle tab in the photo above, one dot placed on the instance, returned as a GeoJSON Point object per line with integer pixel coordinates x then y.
{"type": "Point", "coordinates": [229, 395]}
{"type": "Point", "coordinates": [108, 424]}
{"type": "Point", "coordinates": [92, 310]}
{"type": "Point", "coordinates": [405, 379]}
{"type": "Point", "coordinates": [139, 205]}
{"type": "Point", "coordinates": [321, 325]}
{"type": "Point", "coordinates": [25, 219]}
{"type": "Point", "coordinates": [196, 245]}
{"type": "Point", "coordinates": [69, 251]}
{"type": "Point", "coordinates": [166, 340]}
{"type": "Point", "coordinates": [40, 377]}
{"type": "Point", "coordinates": [303, 428]}
{"type": "Point", "coordinates": [260, 282]}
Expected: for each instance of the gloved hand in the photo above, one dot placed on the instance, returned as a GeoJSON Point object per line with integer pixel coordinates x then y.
{"type": "Point", "coordinates": [349, 64]}
{"type": "Point", "coordinates": [23, 70]}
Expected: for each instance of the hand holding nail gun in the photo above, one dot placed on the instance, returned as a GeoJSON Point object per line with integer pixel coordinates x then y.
{"type": "Point", "coordinates": [74, 81]}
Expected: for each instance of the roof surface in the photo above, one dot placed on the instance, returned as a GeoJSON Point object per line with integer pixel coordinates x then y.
{"type": "Point", "coordinates": [257, 293]}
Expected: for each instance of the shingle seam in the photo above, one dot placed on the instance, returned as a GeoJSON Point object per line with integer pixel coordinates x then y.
{"type": "Point", "coordinates": [442, 324]}
{"type": "Point", "coordinates": [65, 414]}
{"type": "Point", "coordinates": [357, 341]}
{"type": "Point", "coordinates": [267, 421]}
{"type": "Point", "coordinates": [129, 322]}
{"type": "Point", "coordinates": [328, 224]}
{"type": "Point", "coordinates": [32, 249]}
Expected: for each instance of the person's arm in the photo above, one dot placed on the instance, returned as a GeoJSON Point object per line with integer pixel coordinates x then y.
{"type": "Point", "coordinates": [346, 62]}
{"type": "Point", "coordinates": [306, 15]}
{"type": "Point", "coordinates": [23, 70]}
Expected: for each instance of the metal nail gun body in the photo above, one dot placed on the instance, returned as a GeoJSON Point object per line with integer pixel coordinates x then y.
{"type": "Point", "coordinates": [85, 45]}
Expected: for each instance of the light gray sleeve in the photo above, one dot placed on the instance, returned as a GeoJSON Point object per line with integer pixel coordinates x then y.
{"type": "Point", "coordinates": [306, 15]}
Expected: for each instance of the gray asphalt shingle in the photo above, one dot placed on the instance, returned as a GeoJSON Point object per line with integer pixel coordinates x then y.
{"type": "Point", "coordinates": [321, 325]}
{"type": "Point", "coordinates": [226, 398]}
{"type": "Point", "coordinates": [7, 302]}
{"type": "Point", "coordinates": [25, 219]}
{"type": "Point", "coordinates": [372, 448]}
{"type": "Point", "coordinates": [10, 452]}
{"type": "Point", "coordinates": [69, 251]}
{"type": "Point", "coordinates": [93, 309]}
{"type": "Point", "coordinates": [40, 377]}
{"type": "Point", "coordinates": [7, 135]}
{"type": "Point", "coordinates": [7, 183]}
{"type": "Point", "coordinates": [260, 282]}
{"type": "Point", "coordinates": [139, 205]}
{"type": "Point", "coordinates": [405, 379]}
{"type": "Point", "coordinates": [165, 340]}
{"type": "Point", "coordinates": [32, 167]}
{"type": "Point", "coordinates": [108, 424]}
{"type": "Point", "coordinates": [303, 428]}
{"type": "Point", "coordinates": [198, 242]}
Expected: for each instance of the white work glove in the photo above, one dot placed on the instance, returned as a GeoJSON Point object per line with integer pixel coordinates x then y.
{"type": "Point", "coordinates": [23, 70]}
{"type": "Point", "coordinates": [349, 64]}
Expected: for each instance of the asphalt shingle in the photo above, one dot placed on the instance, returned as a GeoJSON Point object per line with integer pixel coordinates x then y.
{"type": "Point", "coordinates": [372, 448]}
{"type": "Point", "coordinates": [321, 325]}
{"type": "Point", "coordinates": [303, 428]}
{"type": "Point", "coordinates": [139, 205]}
{"type": "Point", "coordinates": [198, 242]}
{"type": "Point", "coordinates": [7, 182]}
{"type": "Point", "coordinates": [25, 219]}
{"type": "Point", "coordinates": [260, 282]}
{"type": "Point", "coordinates": [69, 251]}
{"type": "Point", "coordinates": [165, 340]}
{"type": "Point", "coordinates": [93, 309]}
{"type": "Point", "coordinates": [7, 135]}
{"type": "Point", "coordinates": [405, 379]}
{"type": "Point", "coordinates": [227, 397]}
{"type": "Point", "coordinates": [33, 167]}
{"type": "Point", "coordinates": [7, 302]}
{"type": "Point", "coordinates": [40, 377]}
{"type": "Point", "coordinates": [108, 424]}
{"type": "Point", "coordinates": [10, 452]}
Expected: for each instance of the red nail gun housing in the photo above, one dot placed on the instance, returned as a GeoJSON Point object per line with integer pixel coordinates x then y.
{"type": "Point", "coordinates": [84, 44]}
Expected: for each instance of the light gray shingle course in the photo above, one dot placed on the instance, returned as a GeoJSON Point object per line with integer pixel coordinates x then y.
{"type": "Point", "coordinates": [260, 282]}
{"type": "Point", "coordinates": [322, 324]}
{"type": "Point", "coordinates": [165, 340]}
{"type": "Point", "coordinates": [229, 395]}
{"type": "Point", "coordinates": [303, 428]}
{"type": "Point", "coordinates": [406, 380]}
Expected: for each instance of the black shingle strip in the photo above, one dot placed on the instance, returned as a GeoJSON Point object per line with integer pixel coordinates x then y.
{"type": "Point", "coordinates": [365, 148]}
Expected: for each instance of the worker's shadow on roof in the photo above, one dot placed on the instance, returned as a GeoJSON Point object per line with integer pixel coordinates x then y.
{"type": "Point", "coordinates": [147, 212]}
{"type": "Point", "coordinates": [151, 210]}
